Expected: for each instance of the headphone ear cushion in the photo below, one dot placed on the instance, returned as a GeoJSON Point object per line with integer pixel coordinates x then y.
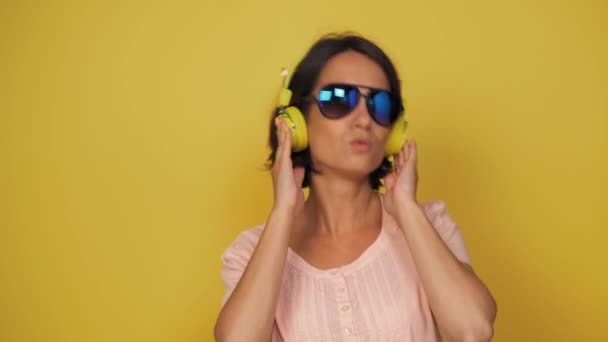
{"type": "Point", "coordinates": [294, 119]}
{"type": "Point", "coordinates": [396, 137]}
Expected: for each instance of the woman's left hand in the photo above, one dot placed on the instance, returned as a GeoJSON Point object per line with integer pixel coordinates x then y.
{"type": "Point", "coordinates": [402, 183]}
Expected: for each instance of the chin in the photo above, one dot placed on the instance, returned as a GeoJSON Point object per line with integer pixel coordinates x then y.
{"type": "Point", "coordinates": [357, 166]}
{"type": "Point", "coordinates": [368, 164]}
{"type": "Point", "coordinates": [362, 169]}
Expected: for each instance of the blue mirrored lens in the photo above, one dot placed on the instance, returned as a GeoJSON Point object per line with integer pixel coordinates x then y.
{"type": "Point", "coordinates": [383, 107]}
{"type": "Point", "coordinates": [337, 101]}
{"type": "Point", "coordinates": [353, 98]}
{"type": "Point", "coordinates": [325, 95]}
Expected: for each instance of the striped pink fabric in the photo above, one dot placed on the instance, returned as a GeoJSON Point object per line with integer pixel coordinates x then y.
{"type": "Point", "coordinates": [378, 297]}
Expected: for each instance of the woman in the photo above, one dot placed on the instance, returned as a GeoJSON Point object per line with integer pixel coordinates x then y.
{"type": "Point", "coordinates": [349, 263]}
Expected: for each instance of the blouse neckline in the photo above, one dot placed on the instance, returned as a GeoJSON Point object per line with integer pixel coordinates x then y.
{"type": "Point", "coordinates": [363, 259]}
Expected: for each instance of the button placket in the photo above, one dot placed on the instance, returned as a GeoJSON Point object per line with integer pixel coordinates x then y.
{"type": "Point", "coordinates": [344, 305]}
{"type": "Point", "coordinates": [341, 292]}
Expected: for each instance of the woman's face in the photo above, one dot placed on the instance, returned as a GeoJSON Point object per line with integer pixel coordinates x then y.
{"type": "Point", "coordinates": [352, 146]}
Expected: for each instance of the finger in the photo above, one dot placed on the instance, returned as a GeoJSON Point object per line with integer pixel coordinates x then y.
{"type": "Point", "coordinates": [396, 162]}
{"type": "Point", "coordinates": [403, 155]}
{"type": "Point", "coordinates": [281, 136]}
{"type": "Point", "coordinates": [278, 123]}
{"type": "Point", "coordinates": [286, 141]}
{"type": "Point", "coordinates": [298, 172]}
{"type": "Point", "coordinates": [414, 152]}
{"type": "Point", "coordinates": [389, 181]}
{"type": "Point", "coordinates": [405, 151]}
{"type": "Point", "coordinates": [279, 151]}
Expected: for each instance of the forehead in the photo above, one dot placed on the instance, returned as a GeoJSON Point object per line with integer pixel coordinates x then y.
{"type": "Point", "coordinates": [353, 67]}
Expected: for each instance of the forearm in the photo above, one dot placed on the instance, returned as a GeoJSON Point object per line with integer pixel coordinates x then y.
{"type": "Point", "coordinates": [249, 312]}
{"type": "Point", "coordinates": [461, 304]}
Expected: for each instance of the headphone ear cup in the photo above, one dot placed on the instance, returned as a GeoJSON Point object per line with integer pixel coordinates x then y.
{"type": "Point", "coordinates": [396, 137]}
{"type": "Point", "coordinates": [296, 123]}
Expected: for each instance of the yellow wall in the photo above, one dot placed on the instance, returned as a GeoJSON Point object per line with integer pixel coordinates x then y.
{"type": "Point", "coordinates": [132, 136]}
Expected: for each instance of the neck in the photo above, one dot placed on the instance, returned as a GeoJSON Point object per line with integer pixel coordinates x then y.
{"type": "Point", "coordinates": [337, 206]}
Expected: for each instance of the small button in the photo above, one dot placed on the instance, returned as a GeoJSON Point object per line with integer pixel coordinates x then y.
{"type": "Point", "coordinates": [341, 290]}
{"type": "Point", "coordinates": [345, 308]}
{"type": "Point", "coordinates": [347, 331]}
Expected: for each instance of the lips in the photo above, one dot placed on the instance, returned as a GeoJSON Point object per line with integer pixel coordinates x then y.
{"type": "Point", "coordinates": [360, 144]}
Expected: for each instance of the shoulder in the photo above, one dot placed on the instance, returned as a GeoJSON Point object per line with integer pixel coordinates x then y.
{"type": "Point", "coordinates": [434, 208]}
{"type": "Point", "coordinates": [243, 245]}
{"type": "Point", "coordinates": [236, 257]}
{"type": "Point", "coordinates": [437, 212]}
{"type": "Point", "coordinates": [438, 215]}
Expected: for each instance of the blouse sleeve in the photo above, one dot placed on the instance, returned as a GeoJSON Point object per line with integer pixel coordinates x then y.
{"type": "Point", "coordinates": [235, 259]}
{"type": "Point", "coordinates": [447, 229]}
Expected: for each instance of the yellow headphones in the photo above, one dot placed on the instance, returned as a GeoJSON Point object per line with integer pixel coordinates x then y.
{"type": "Point", "coordinates": [299, 133]}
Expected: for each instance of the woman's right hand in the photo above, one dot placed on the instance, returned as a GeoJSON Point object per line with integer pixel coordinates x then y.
{"type": "Point", "coordinates": [286, 179]}
{"type": "Point", "coordinates": [247, 316]}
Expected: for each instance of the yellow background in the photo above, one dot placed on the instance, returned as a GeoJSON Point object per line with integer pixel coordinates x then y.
{"type": "Point", "coordinates": [133, 136]}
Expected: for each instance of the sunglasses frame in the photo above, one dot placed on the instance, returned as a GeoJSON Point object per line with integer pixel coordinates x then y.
{"type": "Point", "coordinates": [372, 91]}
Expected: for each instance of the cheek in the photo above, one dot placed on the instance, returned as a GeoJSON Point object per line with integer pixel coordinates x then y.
{"type": "Point", "coordinates": [323, 135]}
{"type": "Point", "coordinates": [381, 134]}
{"type": "Point", "coordinates": [320, 137]}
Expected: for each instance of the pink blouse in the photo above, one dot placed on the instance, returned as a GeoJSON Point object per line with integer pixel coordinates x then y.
{"type": "Point", "coordinates": [378, 297]}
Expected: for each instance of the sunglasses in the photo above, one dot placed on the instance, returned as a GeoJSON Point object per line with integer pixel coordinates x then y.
{"type": "Point", "coordinates": [337, 100]}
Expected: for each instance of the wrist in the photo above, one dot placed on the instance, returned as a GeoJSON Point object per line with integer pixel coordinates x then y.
{"type": "Point", "coordinates": [283, 210]}
{"type": "Point", "coordinates": [406, 210]}
{"type": "Point", "coordinates": [407, 203]}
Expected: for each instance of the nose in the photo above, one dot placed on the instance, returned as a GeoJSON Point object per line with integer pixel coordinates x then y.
{"type": "Point", "coordinates": [361, 115]}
